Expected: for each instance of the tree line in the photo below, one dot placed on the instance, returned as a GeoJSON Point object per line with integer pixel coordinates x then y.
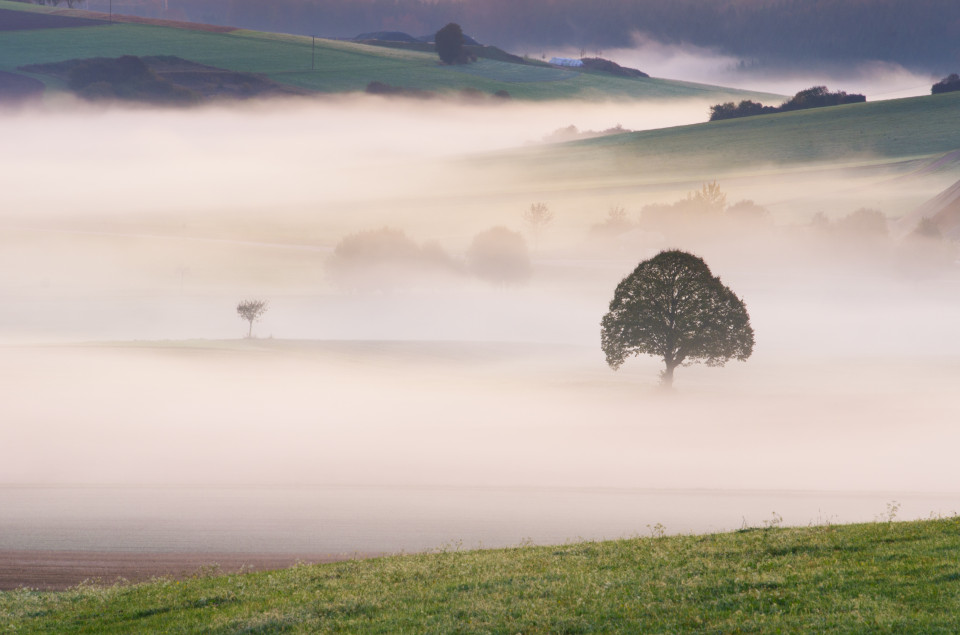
{"type": "Point", "coordinates": [815, 97]}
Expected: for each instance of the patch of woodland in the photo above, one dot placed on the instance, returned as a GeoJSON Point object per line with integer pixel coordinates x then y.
{"type": "Point", "coordinates": [949, 84]}
{"type": "Point", "coordinates": [814, 97]}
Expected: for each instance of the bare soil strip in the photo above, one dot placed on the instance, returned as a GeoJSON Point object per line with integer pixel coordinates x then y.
{"type": "Point", "coordinates": [59, 570]}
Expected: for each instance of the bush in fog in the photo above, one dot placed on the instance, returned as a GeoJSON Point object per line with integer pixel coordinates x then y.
{"type": "Point", "coordinates": [499, 255]}
{"type": "Point", "coordinates": [747, 212]}
{"type": "Point", "coordinates": [251, 311]}
{"type": "Point", "coordinates": [864, 224]}
{"type": "Point", "coordinates": [948, 84]}
{"type": "Point", "coordinates": [387, 259]}
{"type": "Point", "coordinates": [614, 224]}
{"type": "Point", "coordinates": [925, 251]}
{"type": "Point", "coordinates": [674, 308]}
{"type": "Point", "coordinates": [927, 229]}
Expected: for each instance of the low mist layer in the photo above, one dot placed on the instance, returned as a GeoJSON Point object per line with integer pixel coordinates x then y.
{"type": "Point", "coordinates": [128, 237]}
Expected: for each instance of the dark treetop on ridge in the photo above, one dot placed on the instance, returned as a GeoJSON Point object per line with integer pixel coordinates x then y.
{"type": "Point", "coordinates": [672, 307]}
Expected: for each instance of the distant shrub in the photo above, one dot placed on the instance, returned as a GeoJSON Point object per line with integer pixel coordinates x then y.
{"type": "Point", "coordinates": [745, 108]}
{"type": "Point", "coordinates": [948, 84]}
{"type": "Point", "coordinates": [499, 255]}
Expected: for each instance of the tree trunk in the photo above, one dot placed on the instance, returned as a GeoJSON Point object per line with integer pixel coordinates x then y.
{"type": "Point", "coordinates": [666, 377]}
{"type": "Point", "coordinates": [250, 332]}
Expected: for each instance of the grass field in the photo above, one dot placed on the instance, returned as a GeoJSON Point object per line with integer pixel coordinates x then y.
{"type": "Point", "coordinates": [880, 132]}
{"type": "Point", "coordinates": [333, 66]}
{"type": "Point", "coordinates": [881, 577]}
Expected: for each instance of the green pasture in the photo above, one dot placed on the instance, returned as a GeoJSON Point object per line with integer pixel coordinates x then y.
{"type": "Point", "coordinates": [885, 577]}
{"type": "Point", "coordinates": [330, 66]}
{"type": "Point", "coordinates": [873, 133]}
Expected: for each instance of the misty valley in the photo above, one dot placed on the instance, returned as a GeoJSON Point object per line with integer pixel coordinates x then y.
{"type": "Point", "coordinates": [389, 356]}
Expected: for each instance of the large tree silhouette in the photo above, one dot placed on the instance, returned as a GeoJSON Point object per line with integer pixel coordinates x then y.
{"type": "Point", "coordinates": [674, 308]}
{"type": "Point", "coordinates": [449, 44]}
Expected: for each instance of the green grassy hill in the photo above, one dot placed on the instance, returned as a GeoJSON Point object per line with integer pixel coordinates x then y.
{"type": "Point", "coordinates": [332, 66]}
{"type": "Point", "coordinates": [874, 133]}
{"type": "Point", "coordinates": [881, 577]}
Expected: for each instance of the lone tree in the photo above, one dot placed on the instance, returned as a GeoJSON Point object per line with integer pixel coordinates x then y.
{"type": "Point", "coordinates": [251, 311]}
{"type": "Point", "coordinates": [537, 217]}
{"type": "Point", "coordinates": [449, 43]}
{"type": "Point", "coordinates": [672, 307]}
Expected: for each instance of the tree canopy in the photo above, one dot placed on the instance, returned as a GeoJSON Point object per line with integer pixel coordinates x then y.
{"type": "Point", "coordinates": [948, 84]}
{"type": "Point", "coordinates": [449, 43]}
{"type": "Point", "coordinates": [251, 311]}
{"type": "Point", "coordinates": [674, 308]}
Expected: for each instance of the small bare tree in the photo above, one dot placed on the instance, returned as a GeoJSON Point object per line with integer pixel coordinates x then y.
{"type": "Point", "coordinates": [251, 311]}
{"type": "Point", "coordinates": [537, 218]}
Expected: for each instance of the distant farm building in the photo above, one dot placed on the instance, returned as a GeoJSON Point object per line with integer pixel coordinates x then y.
{"type": "Point", "coordinates": [565, 61]}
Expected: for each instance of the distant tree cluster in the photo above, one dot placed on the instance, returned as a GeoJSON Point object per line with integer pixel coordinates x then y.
{"type": "Point", "coordinates": [815, 97]}
{"type": "Point", "coordinates": [948, 84]}
{"type": "Point", "coordinates": [703, 210]}
{"type": "Point", "coordinates": [386, 260]}
{"type": "Point", "coordinates": [746, 108]}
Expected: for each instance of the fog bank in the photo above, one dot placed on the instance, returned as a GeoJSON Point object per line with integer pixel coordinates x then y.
{"type": "Point", "coordinates": [128, 237]}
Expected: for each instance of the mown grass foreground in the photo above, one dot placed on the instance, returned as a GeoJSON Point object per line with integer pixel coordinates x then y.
{"type": "Point", "coordinates": [897, 577]}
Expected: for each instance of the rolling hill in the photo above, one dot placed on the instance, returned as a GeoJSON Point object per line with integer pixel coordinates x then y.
{"type": "Point", "coordinates": [42, 35]}
{"type": "Point", "coordinates": [906, 133]}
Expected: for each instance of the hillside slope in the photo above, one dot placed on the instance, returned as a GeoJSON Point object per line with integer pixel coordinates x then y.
{"type": "Point", "coordinates": [874, 133]}
{"type": "Point", "coordinates": [326, 66]}
{"type": "Point", "coordinates": [881, 577]}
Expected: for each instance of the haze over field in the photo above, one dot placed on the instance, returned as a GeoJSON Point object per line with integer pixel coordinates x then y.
{"type": "Point", "coordinates": [129, 235]}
